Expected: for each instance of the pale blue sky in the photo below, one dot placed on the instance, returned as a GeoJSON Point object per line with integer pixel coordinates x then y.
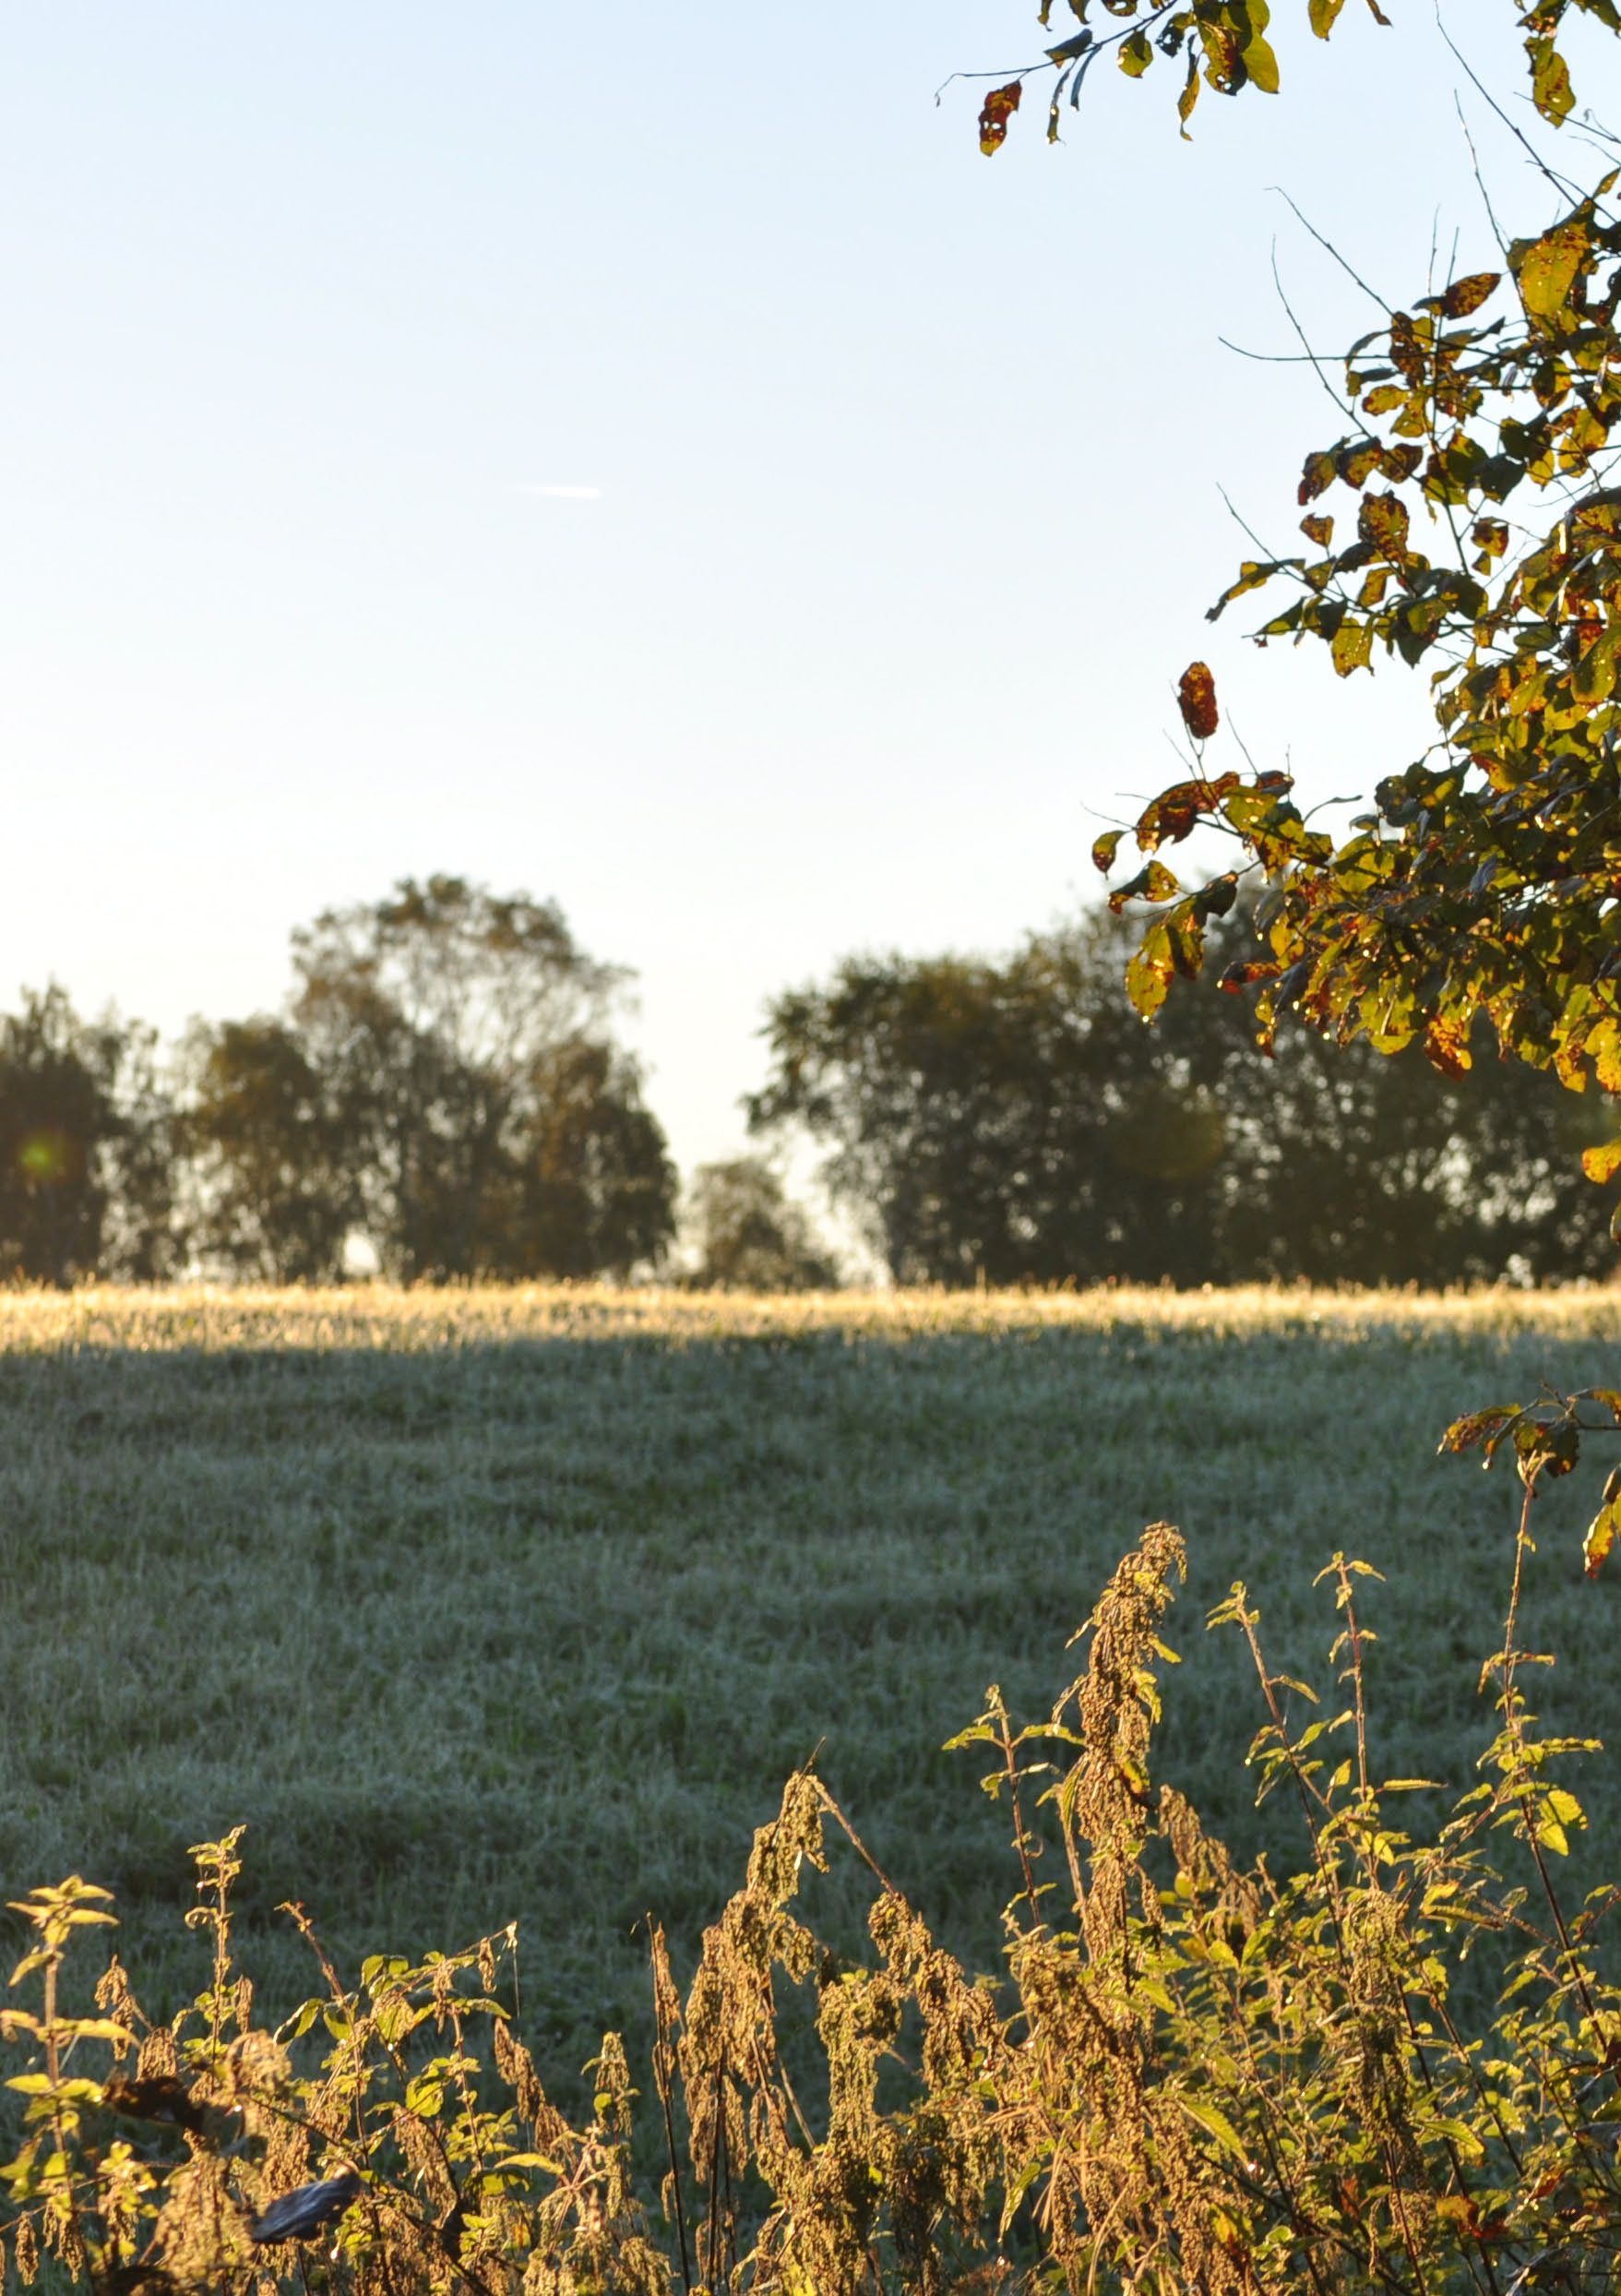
{"type": "Point", "coordinates": [907, 467]}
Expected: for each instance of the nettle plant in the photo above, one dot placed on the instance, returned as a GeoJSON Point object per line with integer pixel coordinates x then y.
{"type": "Point", "coordinates": [1184, 2076]}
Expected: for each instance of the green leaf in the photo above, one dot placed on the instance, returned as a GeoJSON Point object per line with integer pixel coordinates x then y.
{"type": "Point", "coordinates": [1135, 56]}
{"type": "Point", "coordinates": [1215, 2124]}
{"type": "Point", "coordinates": [1104, 848]}
{"type": "Point", "coordinates": [1322, 14]}
{"type": "Point", "coordinates": [397, 2018]}
{"type": "Point", "coordinates": [1594, 676]}
{"type": "Point", "coordinates": [1458, 2132]}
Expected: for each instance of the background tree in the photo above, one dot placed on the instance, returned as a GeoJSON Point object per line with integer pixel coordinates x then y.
{"type": "Point", "coordinates": [274, 1188]}
{"type": "Point", "coordinates": [144, 1237]}
{"type": "Point", "coordinates": [444, 1085]}
{"type": "Point", "coordinates": [1016, 1121]}
{"type": "Point", "coordinates": [86, 1148]}
{"type": "Point", "coordinates": [749, 1236]}
{"type": "Point", "coordinates": [586, 1186]}
{"type": "Point", "coordinates": [958, 1102]}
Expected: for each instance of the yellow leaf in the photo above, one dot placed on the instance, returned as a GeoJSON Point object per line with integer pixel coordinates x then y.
{"type": "Point", "coordinates": [1546, 268]}
{"type": "Point", "coordinates": [1550, 80]}
{"type": "Point", "coordinates": [1601, 1537]}
{"type": "Point", "coordinates": [1147, 975]}
{"type": "Point", "coordinates": [1261, 65]}
{"type": "Point", "coordinates": [1351, 647]}
{"type": "Point", "coordinates": [1189, 96]}
{"type": "Point", "coordinates": [1602, 1164]}
{"type": "Point", "coordinates": [1604, 1047]}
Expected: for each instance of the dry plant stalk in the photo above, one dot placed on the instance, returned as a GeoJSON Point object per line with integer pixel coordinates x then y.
{"type": "Point", "coordinates": [1183, 2075]}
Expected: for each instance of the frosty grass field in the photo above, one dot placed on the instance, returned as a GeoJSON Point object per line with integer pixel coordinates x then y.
{"type": "Point", "coordinates": [493, 1605]}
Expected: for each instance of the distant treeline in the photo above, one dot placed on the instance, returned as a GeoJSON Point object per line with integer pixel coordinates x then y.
{"type": "Point", "coordinates": [443, 1087]}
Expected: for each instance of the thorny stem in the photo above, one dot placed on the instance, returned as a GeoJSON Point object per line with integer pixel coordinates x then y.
{"type": "Point", "coordinates": [1359, 1707]}
{"type": "Point", "coordinates": [731, 2217]}
{"type": "Point", "coordinates": [717, 2139]}
{"type": "Point", "coordinates": [1325, 1869]}
{"type": "Point", "coordinates": [1243, 2032]}
{"type": "Point", "coordinates": [1020, 1841]}
{"type": "Point", "coordinates": [341, 2000]}
{"type": "Point", "coordinates": [662, 2082]}
{"type": "Point", "coordinates": [1354, 1674]}
{"type": "Point", "coordinates": [860, 1847]}
{"type": "Point", "coordinates": [1399, 2206]}
{"type": "Point", "coordinates": [464, 2092]}
{"type": "Point", "coordinates": [54, 2067]}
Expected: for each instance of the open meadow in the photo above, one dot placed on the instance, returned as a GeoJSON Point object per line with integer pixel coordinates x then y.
{"type": "Point", "coordinates": [502, 1605]}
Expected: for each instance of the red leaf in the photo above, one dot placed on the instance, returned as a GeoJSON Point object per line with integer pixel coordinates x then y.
{"type": "Point", "coordinates": [1465, 296]}
{"type": "Point", "coordinates": [1196, 694]}
{"type": "Point", "coordinates": [1240, 977]}
{"type": "Point", "coordinates": [1447, 1042]}
{"type": "Point", "coordinates": [1175, 812]}
{"type": "Point", "coordinates": [995, 114]}
{"type": "Point", "coordinates": [1317, 476]}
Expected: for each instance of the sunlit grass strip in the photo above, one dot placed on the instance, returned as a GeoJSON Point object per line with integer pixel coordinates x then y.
{"type": "Point", "coordinates": [387, 1317]}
